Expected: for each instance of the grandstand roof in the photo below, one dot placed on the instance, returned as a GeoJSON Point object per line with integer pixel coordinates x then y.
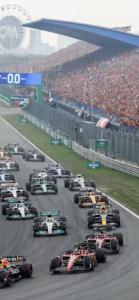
{"type": "Point", "coordinates": [97, 35]}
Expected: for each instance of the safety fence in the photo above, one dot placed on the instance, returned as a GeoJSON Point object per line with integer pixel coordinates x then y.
{"type": "Point", "coordinates": [82, 151]}
{"type": "Point", "coordinates": [122, 146]}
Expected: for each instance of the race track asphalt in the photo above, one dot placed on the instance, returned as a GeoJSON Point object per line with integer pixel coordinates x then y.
{"type": "Point", "coordinates": [118, 279]}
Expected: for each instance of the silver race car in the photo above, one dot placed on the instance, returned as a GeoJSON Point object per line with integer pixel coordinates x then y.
{"type": "Point", "coordinates": [49, 224]}
{"type": "Point", "coordinates": [19, 210]}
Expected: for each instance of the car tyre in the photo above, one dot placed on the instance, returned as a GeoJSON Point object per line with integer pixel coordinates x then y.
{"type": "Point", "coordinates": [101, 255]}
{"type": "Point", "coordinates": [88, 263]}
{"type": "Point", "coordinates": [26, 270]}
{"type": "Point", "coordinates": [55, 263]}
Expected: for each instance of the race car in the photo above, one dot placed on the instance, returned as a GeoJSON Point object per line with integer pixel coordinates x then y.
{"type": "Point", "coordinates": [6, 185]}
{"type": "Point", "coordinates": [40, 174]}
{"type": "Point", "coordinates": [6, 177]}
{"type": "Point", "coordinates": [58, 171]}
{"type": "Point", "coordinates": [80, 258]}
{"type": "Point", "coordinates": [9, 165]}
{"type": "Point", "coordinates": [111, 242]}
{"type": "Point", "coordinates": [13, 192]}
{"type": "Point", "coordinates": [4, 154]}
{"type": "Point", "coordinates": [78, 182]}
{"type": "Point", "coordinates": [89, 198]}
{"type": "Point", "coordinates": [49, 224]}
{"type": "Point", "coordinates": [14, 149]}
{"type": "Point", "coordinates": [13, 268]}
{"type": "Point", "coordinates": [32, 155]}
{"type": "Point", "coordinates": [103, 218]}
{"type": "Point", "coordinates": [42, 187]}
{"type": "Point", "coordinates": [11, 202]}
{"type": "Point", "coordinates": [19, 210]}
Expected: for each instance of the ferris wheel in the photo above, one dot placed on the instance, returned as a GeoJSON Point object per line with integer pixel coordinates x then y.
{"type": "Point", "coordinates": [12, 34]}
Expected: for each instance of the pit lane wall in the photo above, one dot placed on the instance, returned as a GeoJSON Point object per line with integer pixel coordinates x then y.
{"type": "Point", "coordinates": [82, 151]}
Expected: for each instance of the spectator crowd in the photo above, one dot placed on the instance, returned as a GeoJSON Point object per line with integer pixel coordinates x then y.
{"type": "Point", "coordinates": [111, 85]}
{"type": "Point", "coordinates": [103, 79]}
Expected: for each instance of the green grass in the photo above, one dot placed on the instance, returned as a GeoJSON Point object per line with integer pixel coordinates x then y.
{"type": "Point", "coordinates": [121, 186]}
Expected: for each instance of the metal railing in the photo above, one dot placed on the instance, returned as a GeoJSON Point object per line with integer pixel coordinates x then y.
{"type": "Point", "coordinates": [5, 100]}
{"type": "Point", "coordinates": [84, 152]}
{"type": "Point", "coordinates": [105, 161]}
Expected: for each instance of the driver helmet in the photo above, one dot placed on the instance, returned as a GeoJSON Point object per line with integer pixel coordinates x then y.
{"type": "Point", "coordinates": [4, 263]}
{"type": "Point", "coordinates": [103, 208]}
{"type": "Point", "coordinates": [50, 218]}
{"type": "Point", "coordinates": [79, 175]}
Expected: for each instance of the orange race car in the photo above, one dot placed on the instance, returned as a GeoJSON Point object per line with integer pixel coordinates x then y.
{"type": "Point", "coordinates": [88, 199]}
{"type": "Point", "coordinates": [4, 155]}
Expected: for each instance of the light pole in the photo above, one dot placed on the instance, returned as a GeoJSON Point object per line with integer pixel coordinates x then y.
{"type": "Point", "coordinates": [85, 93]}
{"type": "Point", "coordinates": [91, 104]}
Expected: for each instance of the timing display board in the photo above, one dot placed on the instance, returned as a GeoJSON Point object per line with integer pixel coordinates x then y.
{"type": "Point", "coordinates": [21, 78]}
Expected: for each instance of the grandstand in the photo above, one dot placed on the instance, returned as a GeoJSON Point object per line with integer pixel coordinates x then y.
{"type": "Point", "coordinates": [88, 75]}
{"type": "Point", "coordinates": [106, 79]}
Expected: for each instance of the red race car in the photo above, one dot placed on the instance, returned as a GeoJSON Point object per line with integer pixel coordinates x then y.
{"type": "Point", "coordinates": [111, 242]}
{"type": "Point", "coordinates": [80, 258]}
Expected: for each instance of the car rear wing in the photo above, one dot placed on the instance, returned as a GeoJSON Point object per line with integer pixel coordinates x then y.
{"type": "Point", "coordinates": [14, 259]}
{"type": "Point", "coordinates": [50, 213]}
{"type": "Point", "coordinates": [5, 185]}
{"type": "Point", "coordinates": [104, 228]}
{"type": "Point", "coordinates": [15, 201]}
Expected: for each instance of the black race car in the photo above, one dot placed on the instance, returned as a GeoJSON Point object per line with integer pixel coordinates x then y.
{"type": "Point", "coordinates": [13, 268]}
{"type": "Point", "coordinates": [32, 155]}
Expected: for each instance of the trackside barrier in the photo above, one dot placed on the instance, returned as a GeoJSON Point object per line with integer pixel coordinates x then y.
{"type": "Point", "coordinates": [105, 161]}
{"type": "Point", "coordinates": [84, 152]}
{"type": "Point", "coordinates": [5, 100]}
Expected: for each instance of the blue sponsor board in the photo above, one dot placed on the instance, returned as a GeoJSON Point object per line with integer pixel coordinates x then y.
{"type": "Point", "coordinates": [21, 78]}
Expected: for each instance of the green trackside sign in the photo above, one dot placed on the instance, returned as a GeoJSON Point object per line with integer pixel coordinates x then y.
{"type": "Point", "coordinates": [93, 165]}
{"type": "Point", "coordinates": [23, 119]}
{"type": "Point", "coordinates": [55, 141]}
{"type": "Point", "coordinates": [102, 146]}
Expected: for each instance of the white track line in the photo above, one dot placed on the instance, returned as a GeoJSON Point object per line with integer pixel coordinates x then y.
{"type": "Point", "coordinates": [48, 157]}
{"type": "Point", "coordinates": [124, 207]}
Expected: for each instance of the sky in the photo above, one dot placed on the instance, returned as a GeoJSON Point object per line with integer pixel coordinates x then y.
{"type": "Point", "coordinates": [109, 13]}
